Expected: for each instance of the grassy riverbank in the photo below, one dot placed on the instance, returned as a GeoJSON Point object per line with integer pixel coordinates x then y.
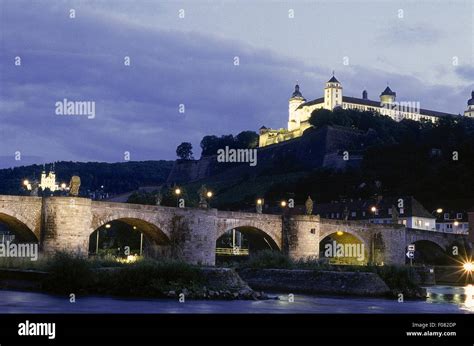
{"type": "Point", "coordinates": [66, 274]}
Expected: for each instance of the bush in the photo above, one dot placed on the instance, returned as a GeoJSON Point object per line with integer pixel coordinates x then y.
{"type": "Point", "coordinates": [395, 277]}
{"type": "Point", "coordinates": [68, 274]}
{"type": "Point", "coordinates": [149, 278]}
{"type": "Point", "coordinates": [267, 259]}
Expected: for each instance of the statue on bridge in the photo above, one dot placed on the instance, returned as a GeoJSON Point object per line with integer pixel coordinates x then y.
{"type": "Point", "coordinates": [74, 186]}
{"type": "Point", "coordinates": [203, 196]}
{"type": "Point", "coordinates": [158, 197]}
{"type": "Point", "coordinates": [309, 206]}
{"type": "Point", "coordinates": [394, 214]}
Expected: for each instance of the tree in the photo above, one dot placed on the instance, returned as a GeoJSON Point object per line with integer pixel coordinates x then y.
{"type": "Point", "coordinates": [185, 151]}
{"type": "Point", "coordinates": [209, 145]}
{"type": "Point", "coordinates": [247, 140]}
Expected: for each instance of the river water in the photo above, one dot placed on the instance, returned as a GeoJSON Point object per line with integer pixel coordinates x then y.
{"type": "Point", "coordinates": [441, 299]}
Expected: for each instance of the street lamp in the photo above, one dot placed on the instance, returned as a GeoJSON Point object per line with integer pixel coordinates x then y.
{"type": "Point", "coordinates": [283, 204]}
{"type": "Point", "coordinates": [373, 209]}
{"type": "Point", "coordinates": [259, 206]}
{"type": "Point", "coordinates": [141, 240]}
{"type": "Point", "coordinates": [177, 192]}
{"type": "Point", "coordinates": [209, 194]}
{"type": "Point", "coordinates": [468, 267]}
{"type": "Point", "coordinates": [26, 182]}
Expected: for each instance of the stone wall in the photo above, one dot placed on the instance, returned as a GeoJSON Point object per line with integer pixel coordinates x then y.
{"type": "Point", "coordinates": [315, 282]}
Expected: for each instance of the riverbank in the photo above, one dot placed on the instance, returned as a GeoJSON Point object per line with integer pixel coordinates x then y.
{"type": "Point", "coordinates": [65, 274]}
{"type": "Point", "coordinates": [272, 269]}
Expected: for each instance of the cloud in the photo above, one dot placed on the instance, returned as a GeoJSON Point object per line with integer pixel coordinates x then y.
{"type": "Point", "coordinates": [466, 72]}
{"type": "Point", "coordinates": [408, 34]}
{"type": "Point", "coordinates": [137, 106]}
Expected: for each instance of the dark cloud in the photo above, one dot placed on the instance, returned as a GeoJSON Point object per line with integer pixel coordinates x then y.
{"type": "Point", "coordinates": [137, 106]}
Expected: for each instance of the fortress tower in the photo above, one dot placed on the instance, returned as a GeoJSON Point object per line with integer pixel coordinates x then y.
{"type": "Point", "coordinates": [295, 101]}
{"type": "Point", "coordinates": [469, 112]}
{"type": "Point", "coordinates": [332, 94]}
{"type": "Point", "coordinates": [387, 96]}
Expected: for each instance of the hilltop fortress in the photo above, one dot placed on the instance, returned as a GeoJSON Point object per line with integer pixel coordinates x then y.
{"type": "Point", "coordinates": [299, 110]}
{"type": "Point", "coordinates": [321, 148]}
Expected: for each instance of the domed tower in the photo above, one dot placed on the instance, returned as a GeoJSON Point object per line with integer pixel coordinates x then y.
{"type": "Point", "coordinates": [296, 99]}
{"type": "Point", "coordinates": [469, 112]}
{"type": "Point", "coordinates": [332, 94]}
{"type": "Point", "coordinates": [387, 96]}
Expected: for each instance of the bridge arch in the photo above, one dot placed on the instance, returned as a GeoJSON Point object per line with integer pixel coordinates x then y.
{"type": "Point", "coordinates": [429, 251]}
{"type": "Point", "coordinates": [19, 226]}
{"type": "Point", "coordinates": [149, 229]}
{"type": "Point", "coordinates": [355, 249]}
{"type": "Point", "coordinates": [264, 227]}
{"type": "Point", "coordinates": [255, 239]}
{"type": "Point", "coordinates": [327, 231]}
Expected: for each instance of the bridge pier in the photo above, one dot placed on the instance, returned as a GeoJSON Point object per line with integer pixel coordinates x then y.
{"type": "Point", "coordinates": [193, 238]}
{"type": "Point", "coordinates": [301, 236]}
{"type": "Point", "coordinates": [66, 225]}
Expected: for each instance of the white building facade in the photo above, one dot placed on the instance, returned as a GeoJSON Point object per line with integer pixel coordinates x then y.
{"type": "Point", "coordinates": [300, 110]}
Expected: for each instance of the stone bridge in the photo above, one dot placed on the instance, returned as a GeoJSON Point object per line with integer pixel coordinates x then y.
{"type": "Point", "coordinates": [66, 224]}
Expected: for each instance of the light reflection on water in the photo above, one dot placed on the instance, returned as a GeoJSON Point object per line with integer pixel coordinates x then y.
{"type": "Point", "coordinates": [463, 296]}
{"type": "Point", "coordinates": [441, 299]}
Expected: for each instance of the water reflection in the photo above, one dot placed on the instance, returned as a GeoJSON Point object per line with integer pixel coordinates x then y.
{"type": "Point", "coordinates": [441, 299]}
{"type": "Point", "coordinates": [463, 296]}
{"type": "Point", "coordinates": [469, 302]}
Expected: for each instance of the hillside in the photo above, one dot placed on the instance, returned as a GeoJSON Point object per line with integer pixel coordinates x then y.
{"type": "Point", "coordinates": [321, 148]}
{"type": "Point", "coordinates": [433, 162]}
